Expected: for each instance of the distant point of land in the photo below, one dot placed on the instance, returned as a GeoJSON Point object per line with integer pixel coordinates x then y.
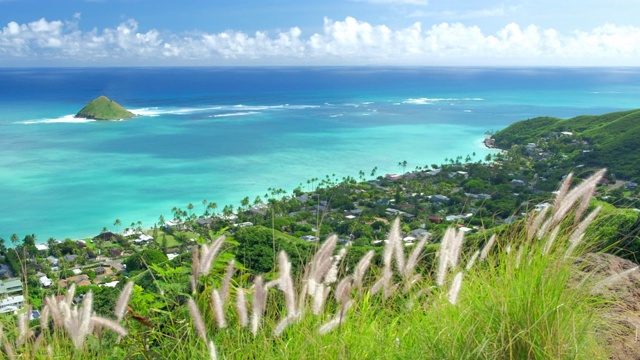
{"type": "Point", "coordinates": [104, 108]}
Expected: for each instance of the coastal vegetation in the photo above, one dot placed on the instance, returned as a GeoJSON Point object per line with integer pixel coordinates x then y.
{"type": "Point", "coordinates": [609, 140]}
{"type": "Point", "coordinates": [473, 258]}
{"type": "Point", "coordinates": [516, 294]}
{"type": "Point", "coordinates": [103, 108]}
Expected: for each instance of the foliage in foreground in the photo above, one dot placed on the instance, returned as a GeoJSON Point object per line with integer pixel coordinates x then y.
{"type": "Point", "coordinates": [516, 297]}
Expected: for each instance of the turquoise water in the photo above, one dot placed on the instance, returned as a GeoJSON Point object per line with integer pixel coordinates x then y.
{"type": "Point", "coordinates": [225, 133]}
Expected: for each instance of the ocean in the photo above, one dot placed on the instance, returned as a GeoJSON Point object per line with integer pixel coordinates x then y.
{"type": "Point", "coordinates": [221, 134]}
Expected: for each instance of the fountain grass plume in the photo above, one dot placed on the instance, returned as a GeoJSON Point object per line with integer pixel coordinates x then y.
{"type": "Point", "coordinates": [209, 254]}
{"type": "Point", "coordinates": [472, 260]}
{"type": "Point", "coordinates": [258, 305]}
{"type": "Point", "coordinates": [361, 269]}
{"type": "Point", "coordinates": [286, 284]}
{"type": "Point", "coordinates": [109, 324]}
{"type": "Point", "coordinates": [443, 255]}
{"type": "Point", "coordinates": [241, 305]}
{"type": "Point", "coordinates": [454, 291]}
{"type": "Point", "coordinates": [198, 323]}
{"type": "Point", "coordinates": [584, 190]}
{"type": "Point", "coordinates": [487, 247]}
{"type": "Point", "coordinates": [123, 300]}
{"type": "Point", "coordinates": [332, 274]}
{"type": "Point", "coordinates": [23, 325]}
{"type": "Point", "coordinates": [226, 281]}
{"type": "Point", "coordinates": [218, 308]}
{"type": "Point", "coordinates": [413, 257]}
{"type": "Point", "coordinates": [343, 290]}
{"type": "Point", "coordinates": [320, 264]}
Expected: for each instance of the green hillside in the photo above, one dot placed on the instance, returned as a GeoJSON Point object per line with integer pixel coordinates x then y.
{"type": "Point", "coordinates": [614, 138]}
{"type": "Point", "coordinates": [103, 108]}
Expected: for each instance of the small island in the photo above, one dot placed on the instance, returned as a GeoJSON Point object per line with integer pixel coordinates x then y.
{"type": "Point", "coordinates": [104, 108]}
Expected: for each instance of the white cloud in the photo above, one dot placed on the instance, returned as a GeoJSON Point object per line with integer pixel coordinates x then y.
{"type": "Point", "coordinates": [347, 41]}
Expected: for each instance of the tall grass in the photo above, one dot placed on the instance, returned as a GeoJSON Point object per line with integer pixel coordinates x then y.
{"type": "Point", "coordinates": [517, 297]}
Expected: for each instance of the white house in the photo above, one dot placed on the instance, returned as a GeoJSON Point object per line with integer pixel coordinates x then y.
{"type": "Point", "coordinates": [42, 247]}
{"type": "Point", "coordinates": [45, 281]}
{"type": "Point", "coordinates": [11, 303]}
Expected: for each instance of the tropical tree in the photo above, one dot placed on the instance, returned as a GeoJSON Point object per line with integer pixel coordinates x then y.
{"type": "Point", "coordinates": [212, 206]}
{"type": "Point", "coordinates": [15, 239]}
{"type": "Point", "coordinates": [245, 203]}
{"type": "Point", "coordinates": [190, 207]}
{"type": "Point", "coordinates": [117, 224]}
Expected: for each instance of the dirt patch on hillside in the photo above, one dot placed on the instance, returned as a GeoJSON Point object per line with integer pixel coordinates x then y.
{"type": "Point", "coordinates": [623, 336]}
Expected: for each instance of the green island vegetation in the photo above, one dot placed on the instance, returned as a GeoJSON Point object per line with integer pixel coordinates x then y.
{"type": "Point", "coordinates": [470, 259]}
{"type": "Point", "coordinates": [103, 108]}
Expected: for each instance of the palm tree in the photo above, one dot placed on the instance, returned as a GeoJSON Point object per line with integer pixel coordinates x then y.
{"type": "Point", "coordinates": [212, 206]}
{"type": "Point", "coordinates": [204, 206]}
{"type": "Point", "coordinates": [245, 203]}
{"type": "Point", "coordinates": [117, 224]}
{"type": "Point", "coordinates": [161, 220]}
{"type": "Point", "coordinates": [190, 207]}
{"type": "Point", "coordinates": [14, 239]}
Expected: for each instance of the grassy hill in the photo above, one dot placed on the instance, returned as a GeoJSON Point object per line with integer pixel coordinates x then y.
{"type": "Point", "coordinates": [615, 138]}
{"type": "Point", "coordinates": [104, 108]}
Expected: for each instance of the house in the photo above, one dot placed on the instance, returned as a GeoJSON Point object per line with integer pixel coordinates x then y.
{"type": "Point", "coordinates": [435, 219]}
{"type": "Point", "coordinates": [510, 219]}
{"type": "Point", "coordinates": [245, 224]}
{"type": "Point", "coordinates": [303, 198]}
{"type": "Point", "coordinates": [408, 239]}
{"type": "Point", "coordinates": [205, 221]}
{"type": "Point", "coordinates": [85, 282]}
{"type": "Point", "coordinates": [350, 217]}
{"type": "Point", "coordinates": [70, 257]}
{"type": "Point", "coordinates": [393, 177]}
{"type": "Point", "coordinates": [541, 207]}
{"type": "Point", "coordinates": [53, 260]}
{"type": "Point", "coordinates": [79, 280]}
{"type": "Point", "coordinates": [45, 281]}
{"type": "Point", "coordinates": [77, 271]}
{"type": "Point", "coordinates": [10, 287]}
{"type": "Point", "coordinates": [4, 270]}
{"type": "Point", "coordinates": [517, 182]}
{"type": "Point", "coordinates": [42, 247]}
{"type": "Point", "coordinates": [419, 233]}
{"type": "Point", "coordinates": [309, 238]}
{"type": "Point", "coordinates": [439, 199]}
{"type": "Point", "coordinates": [100, 270]}
{"type": "Point", "coordinates": [12, 303]}
{"type": "Point", "coordinates": [110, 284]}
{"type": "Point", "coordinates": [631, 185]}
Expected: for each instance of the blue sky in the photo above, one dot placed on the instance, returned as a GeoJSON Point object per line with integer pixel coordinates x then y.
{"type": "Point", "coordinates": [314, 32]}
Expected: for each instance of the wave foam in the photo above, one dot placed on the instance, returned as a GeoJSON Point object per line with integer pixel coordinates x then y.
{"type": "Point", "coordinates": [237, 114]}
{"type": "Point", "coordinates": [64, 119]}
{"type": "Point", "coordinates": [427, 101]}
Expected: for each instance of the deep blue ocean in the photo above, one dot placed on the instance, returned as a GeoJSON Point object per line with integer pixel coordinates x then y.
{"type": "Point", "coordinates": [221, 134]}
